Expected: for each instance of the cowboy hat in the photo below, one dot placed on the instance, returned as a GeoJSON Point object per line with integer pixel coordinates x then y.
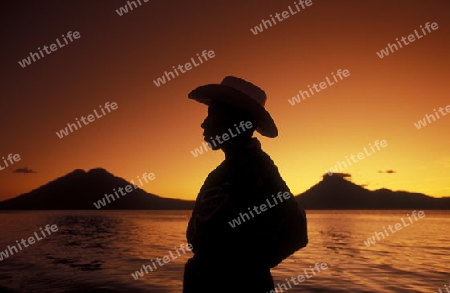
{"type": "Point", "coordinates": [241, 94]}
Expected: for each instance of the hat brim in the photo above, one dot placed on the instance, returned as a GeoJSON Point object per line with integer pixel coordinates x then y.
{"type": "Point", "coordinates": [216, 92]}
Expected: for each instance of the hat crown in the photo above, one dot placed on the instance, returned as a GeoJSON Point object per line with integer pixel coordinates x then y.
{"type": "Point", "coordinates": [252, 91]}
{"type": "Point", "coordinates": [242, 94]}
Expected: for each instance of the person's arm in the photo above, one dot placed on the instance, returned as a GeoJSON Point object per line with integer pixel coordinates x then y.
{"type": "Point", "coordinates": [211, 210]}
{"type": "Point", "coordinates": [291, 233]}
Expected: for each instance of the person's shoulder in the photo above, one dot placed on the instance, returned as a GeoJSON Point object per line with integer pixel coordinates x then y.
{"type": "Point", "coordinates": [256, 169]}
{"type": "Point", "coordinates": [220, 170]}
{"type": "Point", "coordinates": [270, 172]}
{"type": "Point", "coordinates": [264, 161]}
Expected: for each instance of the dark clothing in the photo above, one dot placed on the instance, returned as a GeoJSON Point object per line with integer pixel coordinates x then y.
{"type": "Point", "coordinates": [207, 278]}
{"type": "Point", "coordinates": [239, 259]}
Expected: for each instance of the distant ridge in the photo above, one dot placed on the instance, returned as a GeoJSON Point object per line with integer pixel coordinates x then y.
{"type": "Point", "coordinates": [79, 189]}
{"type": "Point", "coordinates": [336, 193]}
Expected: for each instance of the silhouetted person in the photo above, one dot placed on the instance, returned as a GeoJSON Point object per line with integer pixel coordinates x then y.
{"type": "Point", "coordinates": [235, 244]}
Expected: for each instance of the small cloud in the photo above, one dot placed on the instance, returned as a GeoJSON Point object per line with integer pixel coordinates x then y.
{"type": "Point", "coordinates": [23, 170]}
{"type": "Point", "coordinates": [341, 175]}
{"type": "Point", "coordinates": [388, 171]}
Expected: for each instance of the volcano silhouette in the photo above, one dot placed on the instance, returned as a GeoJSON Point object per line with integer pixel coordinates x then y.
{"type": "Point", "coordinates": [79, 189]}
{"type": "Point", "coordinates": [336, 193]}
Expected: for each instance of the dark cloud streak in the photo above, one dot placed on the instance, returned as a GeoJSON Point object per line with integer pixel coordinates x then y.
{"type": "Point", "coordinates": [23, 170]}
{"type": "Point", "coordinates": [388, 171]}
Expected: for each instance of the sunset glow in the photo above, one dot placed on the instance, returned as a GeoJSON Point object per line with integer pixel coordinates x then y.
{"type": "Point", "coordinates": [153, 129]}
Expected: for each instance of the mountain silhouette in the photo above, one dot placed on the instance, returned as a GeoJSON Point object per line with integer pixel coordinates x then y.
{"type": "Point", "coordinates": [336, 193]}
{"type": "Point", "coordinates": [79, 189]}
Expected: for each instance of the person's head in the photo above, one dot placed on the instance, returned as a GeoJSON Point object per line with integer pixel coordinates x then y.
{"type": "Point", "coordinates": [227, 125]}
{"type": "Point", "coordinates": [235, 110]}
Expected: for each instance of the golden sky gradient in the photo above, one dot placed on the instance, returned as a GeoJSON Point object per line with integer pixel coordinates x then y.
{"type": "Point", "coordinates": [155, 128]}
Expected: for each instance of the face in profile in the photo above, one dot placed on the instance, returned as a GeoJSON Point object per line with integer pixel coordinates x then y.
{"type": "Point", "coordinates": [220, 119]}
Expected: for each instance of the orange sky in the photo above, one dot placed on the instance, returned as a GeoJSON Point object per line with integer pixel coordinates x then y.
{"type": "Point", "coordinates": [155, 128]}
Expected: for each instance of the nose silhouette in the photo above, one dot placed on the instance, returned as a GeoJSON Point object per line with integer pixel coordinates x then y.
{"type": "Point", "coordinates": [206, 123]}
{"type": "Point", "coordinates": [203, 125]}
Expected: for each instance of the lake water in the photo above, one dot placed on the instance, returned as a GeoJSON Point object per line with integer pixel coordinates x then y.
{"type": "Point", "coordinates": [97, 251]}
